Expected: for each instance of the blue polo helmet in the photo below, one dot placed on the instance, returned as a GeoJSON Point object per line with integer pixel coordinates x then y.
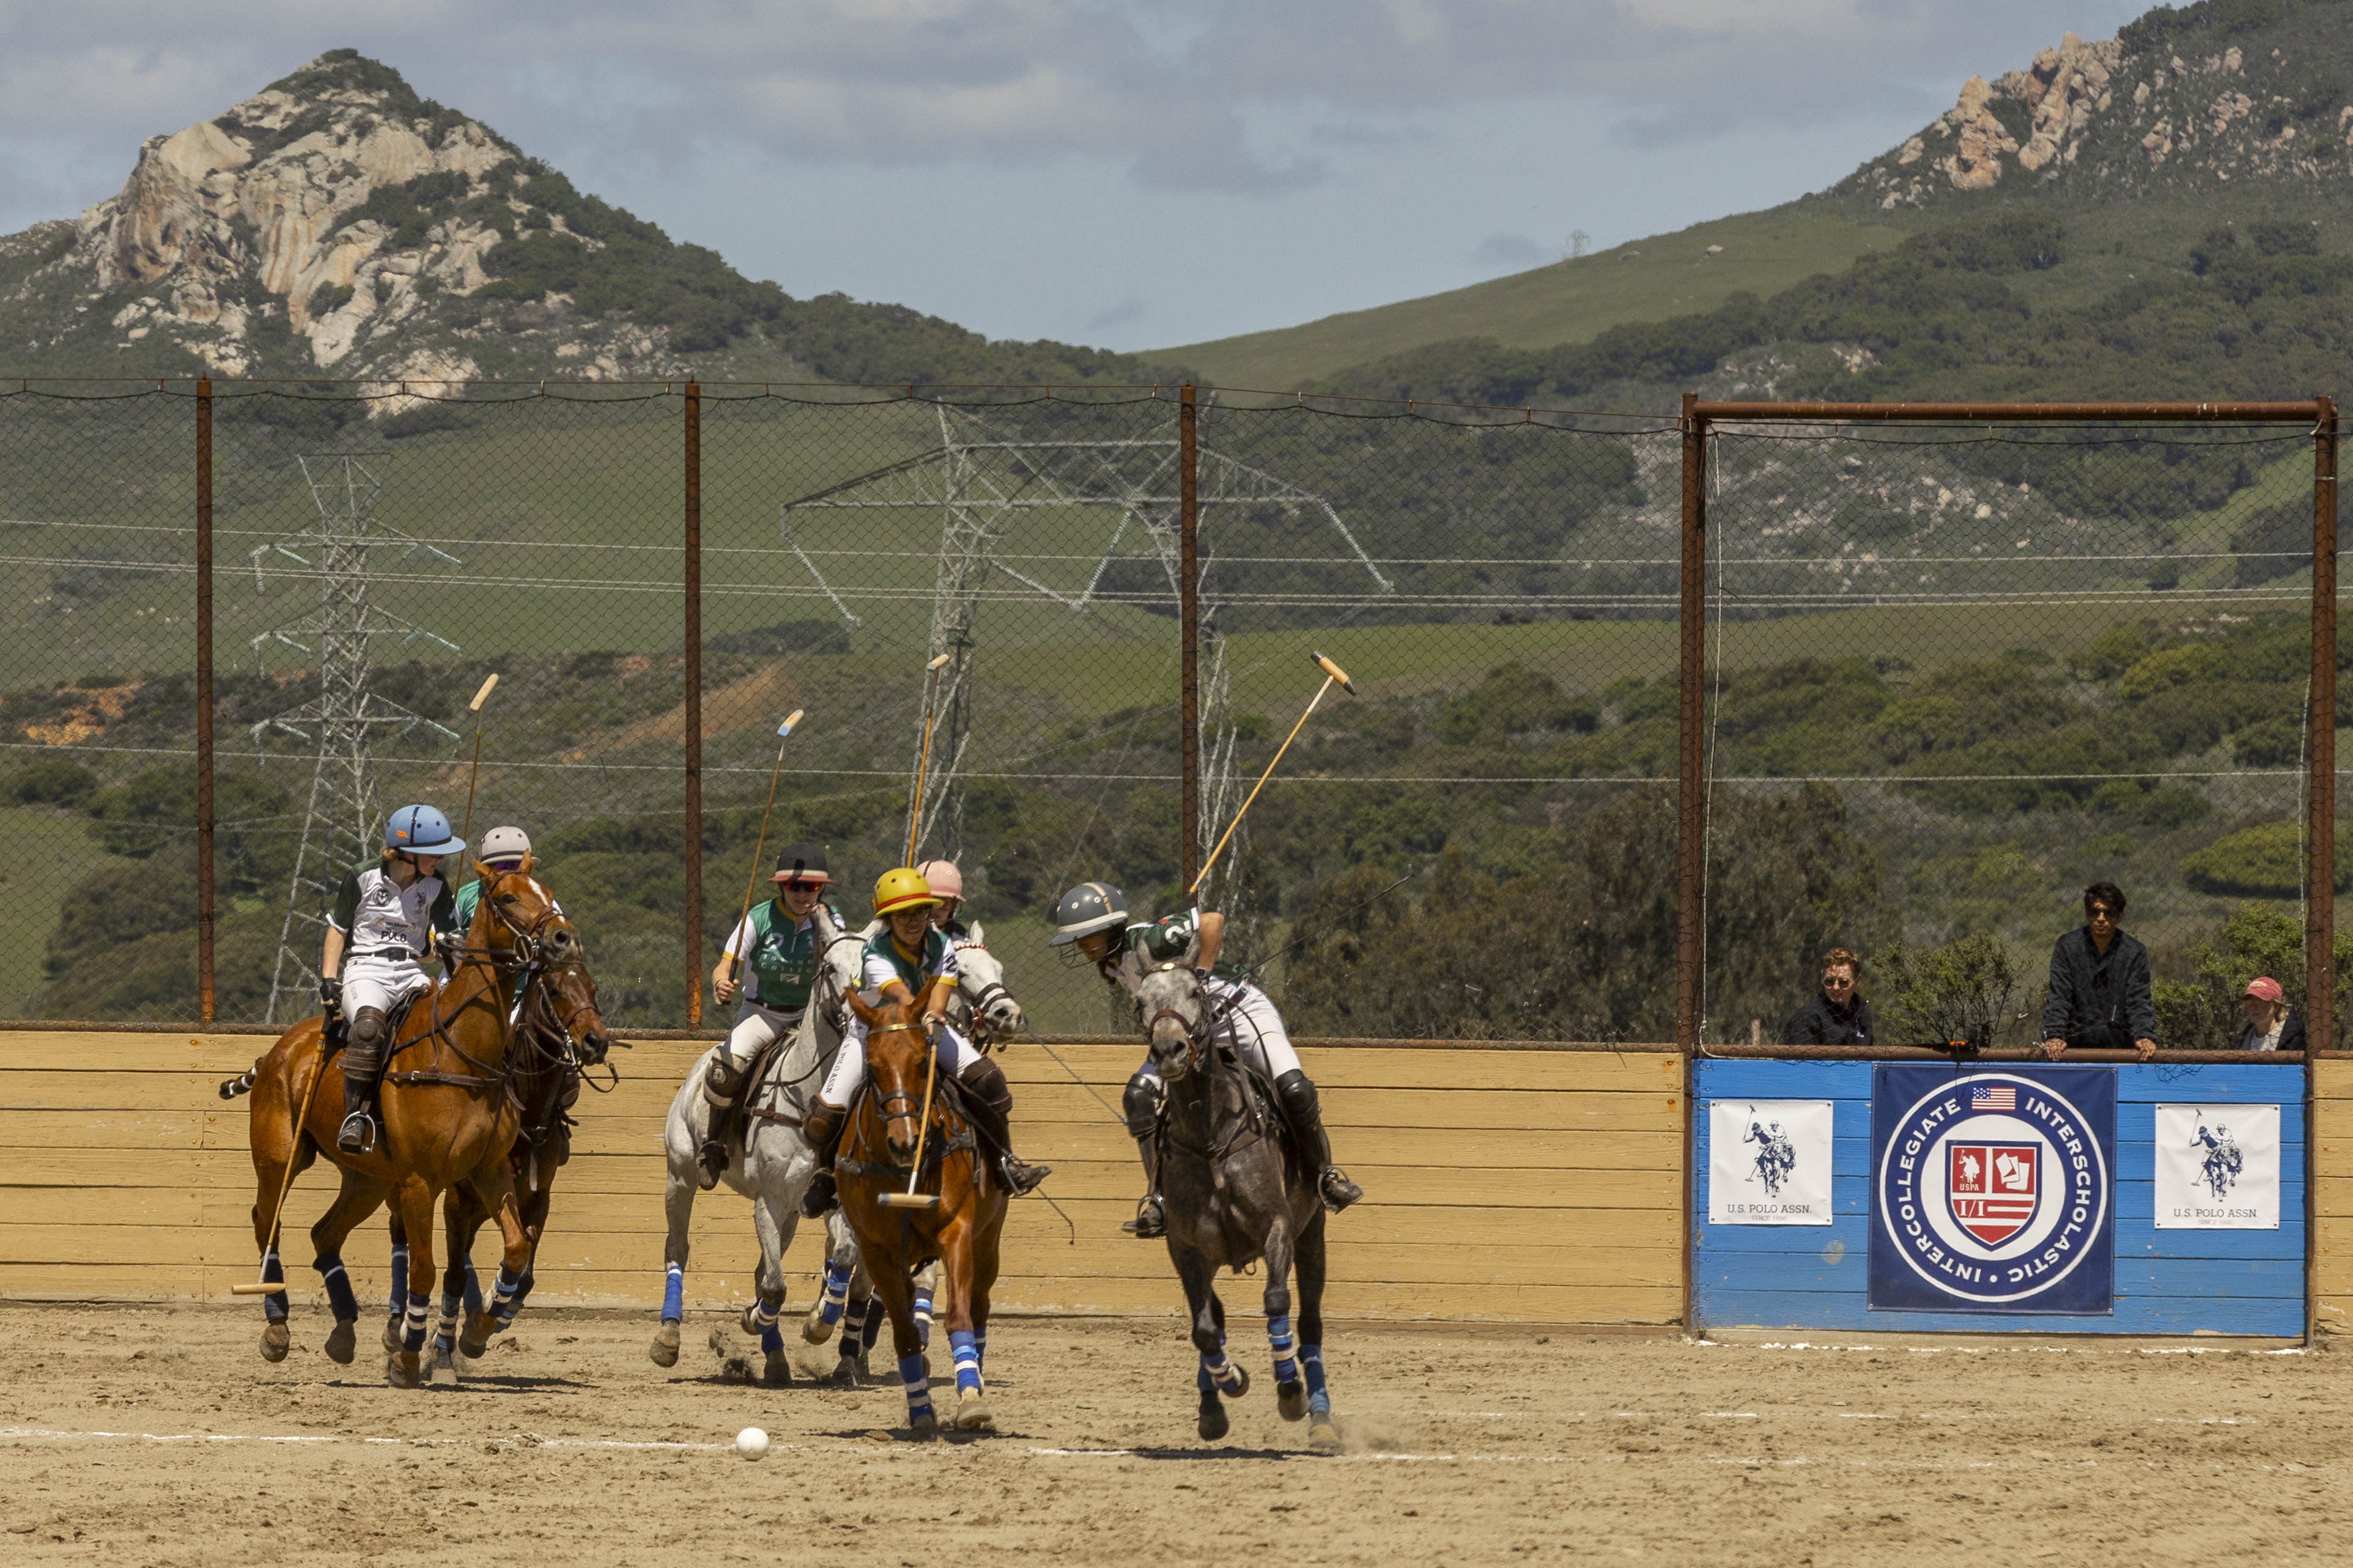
{"type": "Point", "coordinates": [421, 830]}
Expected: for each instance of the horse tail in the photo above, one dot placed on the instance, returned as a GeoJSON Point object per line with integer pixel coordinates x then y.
{"type": "Point", "coordinates": [241, 1084]}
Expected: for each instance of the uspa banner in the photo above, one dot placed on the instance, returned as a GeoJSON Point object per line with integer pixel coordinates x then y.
{"type": "Point", "coordinates": [2218, 1167]}
{"type": "Point", "coordinates": [1993, 1191]}
{"type": "Point", "coordinates": [1768, 1162]}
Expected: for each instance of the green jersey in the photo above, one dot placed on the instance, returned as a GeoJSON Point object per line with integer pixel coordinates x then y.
{"type": "Point", "coordinates": [884, 962]}
{"type": "Point", "coordinates": [779, 956]}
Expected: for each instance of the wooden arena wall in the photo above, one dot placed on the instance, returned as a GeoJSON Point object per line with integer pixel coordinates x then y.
{"type": "Point", "coordinates": [2332, 1194]}
{"type": "Point", "coordinates": [1527, 1186]}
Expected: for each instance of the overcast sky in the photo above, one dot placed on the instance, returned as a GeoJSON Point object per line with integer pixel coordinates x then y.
{"type": "Point", "coordinates": [1110, 172]}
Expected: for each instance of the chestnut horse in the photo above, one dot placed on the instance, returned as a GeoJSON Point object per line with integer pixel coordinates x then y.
{"type": "Point", "coordinates": [547, 1077]}
{"type": "Point", "coordinates": [448, 1116]}
{"type": "Point", "coordinates": [962, 1226]}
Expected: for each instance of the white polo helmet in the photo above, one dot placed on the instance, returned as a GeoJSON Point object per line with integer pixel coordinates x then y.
{"type": "Point", "coordinates": [946, 881]}
{"type": "Point", "coordinates": [505, 844]}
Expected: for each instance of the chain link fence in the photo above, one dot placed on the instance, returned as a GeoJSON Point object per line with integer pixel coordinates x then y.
{"type": "Point", "coordinates": [1951, 676]}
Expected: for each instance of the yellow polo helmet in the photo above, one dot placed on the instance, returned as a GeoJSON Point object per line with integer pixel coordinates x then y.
{"type": "Point", "coordinates": [902, 888]}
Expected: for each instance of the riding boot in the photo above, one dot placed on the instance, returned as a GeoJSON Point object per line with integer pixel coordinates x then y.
{"type": "Point", "coordinates": [1306, 1118]}
{"type": "Point", "coordinates": [1141, 1105]}
{"type": "Point", "coordinates": [990, 1100]}
{"type": "Point", "coordinates": [823, 1127]}
{"type": "Point", "coordinates": [363, 1057]}
{"type": "Point", "coordinates": [723, 1089]}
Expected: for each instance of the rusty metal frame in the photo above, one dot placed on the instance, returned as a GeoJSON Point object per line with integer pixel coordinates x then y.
{"type": "Point", "coordinates": [207, 908]}
{"type": "Point", "coordinates": [1188, 636]}
{"type": "Point", "coordinates": [692, 632]}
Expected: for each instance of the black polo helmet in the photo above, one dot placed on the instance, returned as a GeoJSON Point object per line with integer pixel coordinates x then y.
{"type": "Point", "coordinates": [1087, 909]}
{"type": "Point", "coordinates": [802, 863]}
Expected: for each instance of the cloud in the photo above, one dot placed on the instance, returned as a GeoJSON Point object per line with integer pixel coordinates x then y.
{"type": "Point", "coordinates": [1515, 251]}
{"type": "Point", "coordinates": [1129, 311]}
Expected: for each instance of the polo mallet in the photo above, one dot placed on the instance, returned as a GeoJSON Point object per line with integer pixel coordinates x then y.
{"type": "Point", "coordinates": [910, 1198]}
{"type": "Point", "coordinates": [284, 1183]}
{"type": "Point", "coordinates": [760, 845]}
{"type": "Point", "coordinates": [1331, 672]}
{"type": "Point", "coordinates": [466, 833]}
{"type": "Point", "coordinates": [923, 758]}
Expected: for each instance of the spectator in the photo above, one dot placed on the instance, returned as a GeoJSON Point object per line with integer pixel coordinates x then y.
{"type": "Point", "coordinates": [1838, 1015]}
{"type": "Point", "coordinates": [2099, 983]}
{"type": "Point", "coordinates": [2270, 1025]}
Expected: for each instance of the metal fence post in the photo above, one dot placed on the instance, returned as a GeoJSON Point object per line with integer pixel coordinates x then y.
{"type": "Point", "coordinates": [1188, 633]}
{"type": "Point", "coordinates": [1690, 804]}
{"type": "Point", "coordinates": [2320, 872]}
{"type": "Point", "coordinates": [693, 634]}
{"type": "Point", "coordinates": [207, 907]}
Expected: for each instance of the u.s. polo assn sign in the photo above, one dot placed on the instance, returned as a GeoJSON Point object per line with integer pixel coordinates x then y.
{"type": "Point", "coordinates": [1993, 1191]}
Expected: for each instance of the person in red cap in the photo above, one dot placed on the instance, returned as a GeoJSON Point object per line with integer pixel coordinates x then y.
{"type": "Point", "coordinates": [2269, 1026]}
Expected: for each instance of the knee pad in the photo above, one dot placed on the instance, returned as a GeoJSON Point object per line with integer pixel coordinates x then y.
{"type": "Point", "coordinates": [987, 1080]}
{"type": "Point", "coordinates": [367, 1028]}
{"type": "Point", "coordinates": [363, 1050]}
{"type": "Point", "coordinates": [1297, 1093]}
{"type": "Point", "coordinates": [1141, 1105]}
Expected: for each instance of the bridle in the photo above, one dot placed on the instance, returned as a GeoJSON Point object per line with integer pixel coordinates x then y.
{"type": "Point", "coordinates": [984, 1032]}
{"type": "Point", "coordinates": [525, 953]}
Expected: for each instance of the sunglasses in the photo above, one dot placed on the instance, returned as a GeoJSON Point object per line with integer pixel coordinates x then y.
{"type": "Point", "coordinates": [2102, 912]}
{"type": "Point", "coordinates": [1836, 984]}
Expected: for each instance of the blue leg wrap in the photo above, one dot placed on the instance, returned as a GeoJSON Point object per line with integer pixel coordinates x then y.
{"type": "Point", "coordinates": [836, 1294]}
{"type": "Point", "coordinates": [764, 1316]}
{"type": "Point", "coordinates": [1311, 1361]}
{"type": "Point", "coordinates": [502, 1307]}
{"type": "Point", "coordinates": [399, 1280]}
{"type": "Point", "coordinates": [453, 1294]}
{"type": "Point", "coordinates": [522, 1291]}
{"type": "Point", "coordinates": [347, 1305]}
{"type": "Point", "coordinates": [923, 1319]}
{"type": "Point", "coordinates": [772, 1339]}
{"type": "Point", "coordinates": [412, 1338]}
{"type": "Point", "coordinates": [1222, 1373]}
{"type": "Point", "coordinates": [967, 1360]}
{"type": "Point", "coordinates": [273, 1306]}
{"type": "Point", "coordinates": [919, 1393]}
{"type": "Point", "coordinates": [473, 1288]}
{"type": "Point", "coordinates": [674, 1293]}
{"type": "Point", "coordinates": [1278, 1338]}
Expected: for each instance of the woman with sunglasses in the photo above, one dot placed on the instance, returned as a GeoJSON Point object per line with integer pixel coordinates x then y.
{"type": "Point", "coordinates": [1838, 1015]}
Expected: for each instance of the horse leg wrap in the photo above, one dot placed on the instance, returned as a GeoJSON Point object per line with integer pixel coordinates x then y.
{"type": "Point", "coordinates": [853, 1328]}
{"type": "Point", "coordinates": [399, 1280]}
{"type": "Point", "coordinates": [339, 1298]}
{"type": "Point", "coordinates": [980, 1347]}
{"type": "Point", "coordinates": [967, 1360]}
{"type": "Point", "coordinates": [506, 1299]}
{"type": "Point", "coordinates": [763, 1316]}
{"type": "Point", "coordinates": [924, 1317]}
{"type": "Point", "coordinates": [522, 1291]}
{"type": "Point", "coordinates": [918, 1387]}
{"type": "Point", "coordinates": [453, 1295]}
{"type": "Point", "coordinates": [836, 1294]}
{"type": "Point", "coordinates": [473, 1287]}
{"type": "Point", "coordinates": [1311, 1361]}
{"type": "Point", "coordinates": [1278, 1338]}
{"type": "Point", "coordinates": [412, 1331]}
{"type": "Point", "coordinates": [1219, 1372]}
{"type": "Point", "coordinates": [273, 1306]}
{"type": "Point", "coordinates": [674, 1293]}
{"type": "Point", "coordinates": [772, 1339]}
{"type": "Point", "coordinates": [875, 1317]}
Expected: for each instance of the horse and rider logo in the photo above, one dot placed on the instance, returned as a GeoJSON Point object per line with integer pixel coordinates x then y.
{"type": "Point", "coordinates": [1777, 1154]}
{"type": "Point", "coordinates": [1993, 1191]}
{"type": "Point", "coordinates": [2219, 1172]}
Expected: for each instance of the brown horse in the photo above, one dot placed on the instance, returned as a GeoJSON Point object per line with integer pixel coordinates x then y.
{"type": "Point", "coordinates": [962, 1227]}
{"type": "Point", "coordinates": [448, 1116]}
{"type": "Point", "coordinates": [547, 1077]}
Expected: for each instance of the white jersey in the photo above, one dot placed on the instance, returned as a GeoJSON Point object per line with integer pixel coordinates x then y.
{"type": "Point", "coordinates": [377, 915]}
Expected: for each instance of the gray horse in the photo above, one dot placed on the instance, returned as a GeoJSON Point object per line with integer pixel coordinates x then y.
{"type": "Point", "coordinates": [769, 1160]}
{"type": "Point", "coordinates": [1234, 1196]}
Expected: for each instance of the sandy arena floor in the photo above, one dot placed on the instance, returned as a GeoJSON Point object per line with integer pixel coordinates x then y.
{"type": "Point", "coordinates": [157, 1436]}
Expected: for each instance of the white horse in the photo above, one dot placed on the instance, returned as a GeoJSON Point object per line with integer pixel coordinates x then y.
{"type": "Point", "coordinates": [768, 1158]}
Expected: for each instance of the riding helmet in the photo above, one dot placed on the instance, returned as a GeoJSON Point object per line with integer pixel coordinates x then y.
{"type": "Point", "coordinates": [945, 880]}
{"type": "Point", "coordinates": [504, 844]}
{"type": "Point", "coordinates": [421, 830]}
{"type": "Point", "coordinates": [902, 888]}
{"type": "Point", "coordinates": [1086, 909]}
{"type": "Point", "coordinates": [802, 863]}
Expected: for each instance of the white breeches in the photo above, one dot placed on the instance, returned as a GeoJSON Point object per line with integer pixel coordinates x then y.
{"type": "Point", "coordinates": [380, 984]}
{"type": "Point", "coordinates": [849, 1069]}
{"type": "Point", "coordinates": [756, 1027]}
{"type": "Point", "coordinates": [1259, 1039]}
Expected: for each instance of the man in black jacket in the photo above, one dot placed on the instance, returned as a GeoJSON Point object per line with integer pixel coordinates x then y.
{"type": "Point", "coordinates": [1838, 1015]}
{"type": "Point", "coordinates": [2099, 983]}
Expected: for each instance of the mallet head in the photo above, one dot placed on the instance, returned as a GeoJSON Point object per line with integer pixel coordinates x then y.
{"type": "Point", "coordinates": [1335, 672]}
{"type": "Point", "coordinates": [790, 720]}
{"type": "Point", "coordinates": [939, 662]}
{"type": "Point", "coordinates": [908, 1200]}
{"type": "Point", "coordinates": [479, 697]}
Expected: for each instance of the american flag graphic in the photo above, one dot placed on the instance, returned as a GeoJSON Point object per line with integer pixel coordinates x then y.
{"type": "Point", "coordinates": [1987, 1098]}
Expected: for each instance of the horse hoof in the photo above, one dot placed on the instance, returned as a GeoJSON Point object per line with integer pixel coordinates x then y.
{"type": "Point", "coordinates": [342, 1341]}
{"type": "Point", "coordinates": [815, 1330]}
{"type": "Point", "coordinates": [402, 1371]}
{"type": "Point", "coordinates": [444, 1374]}
{"type": "Point", "coordinates": [778, 1372]}
{"type": "Point", "coordinates": [845, 1373]}
{"type": "Point", "coordinates": [392, 1336]}
{"type": "Point", "coordinates": [276, 1339]}
{"type": "Point", "coordinates": [665, 1345]}
{"type": "Point", "coordinates": [1322, 1436]}
{"type": "Point", "coordinates": [474, 1342]}
{"type": "Point", "coordinates": [1213, 1424]}
{"type": "Point", "coordinates": [925, 1428]}
{"type": "Point", "coordinates": [972, 1412]}
{"type": "Point", "coordinates": [1291, 1401]}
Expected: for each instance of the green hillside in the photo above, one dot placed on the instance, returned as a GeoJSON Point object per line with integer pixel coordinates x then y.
{"type": "Point", "coordinates": [1567, 301]}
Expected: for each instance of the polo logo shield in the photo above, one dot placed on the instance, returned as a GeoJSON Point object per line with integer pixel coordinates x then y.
{"type": "Point", "coordinates": [1991, 1188]}
{"type": "Point", "coordinates": [1993, 1191]}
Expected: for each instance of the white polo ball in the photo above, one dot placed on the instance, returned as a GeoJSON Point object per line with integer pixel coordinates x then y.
{"type": "Point", "coordinates": [752, 1443]}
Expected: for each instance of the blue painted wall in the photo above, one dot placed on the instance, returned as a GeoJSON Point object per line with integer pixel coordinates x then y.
{"type": "Point", "coordinates": [2167, 1281]}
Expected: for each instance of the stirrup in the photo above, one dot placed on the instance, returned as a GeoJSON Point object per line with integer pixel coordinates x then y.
{"type": "Point", "coordinates": [1021, 1180]}
{"type": "Point", "coordinates": [820, 1196]}
{"type": "Point", "coordinates": [713, 1160]}
{"type": "Point", "coordinates": [1337, 1191]}
{"type": "Point", "coordinates": [357, 1135]}
{"type": "Point", "coordinates": [1151, 1221]}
